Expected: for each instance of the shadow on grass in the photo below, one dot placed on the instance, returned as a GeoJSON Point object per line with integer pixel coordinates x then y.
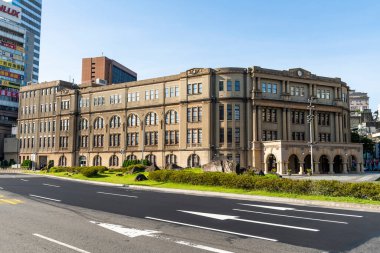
{"type": "Point", "coordinates": [99, 176]}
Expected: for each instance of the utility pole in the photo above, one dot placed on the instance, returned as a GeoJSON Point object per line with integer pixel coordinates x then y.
{"type": "Point", "coordinates": [310, 120]}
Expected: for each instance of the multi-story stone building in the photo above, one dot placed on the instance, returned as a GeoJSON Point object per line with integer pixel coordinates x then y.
{"type": "Point", "coordinates": [255, 116]}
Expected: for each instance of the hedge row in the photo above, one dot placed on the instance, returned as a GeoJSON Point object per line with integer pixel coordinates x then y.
{"type": "Point", "coordinates": [85, 171]}
{"type": "Point", "coordinates": [364, 190]}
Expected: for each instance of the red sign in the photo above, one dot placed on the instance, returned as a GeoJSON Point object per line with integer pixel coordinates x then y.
{"type": "Point", "coordinates": [9, 11]}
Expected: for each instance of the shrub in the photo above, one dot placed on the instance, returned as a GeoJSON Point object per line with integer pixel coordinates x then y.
{"type": "Point", "coordinates": [89, 172]}
{"type": "Point", "coordinates": [128, 163]}
{"type": "Point", "coordinates": [136, 168]}
{"type": "Point", "coordinates": [58, 169]}
{"type": "Point", "coordinates": [26, 164]}
{"type": "Point", "coordinates": [366, 190]}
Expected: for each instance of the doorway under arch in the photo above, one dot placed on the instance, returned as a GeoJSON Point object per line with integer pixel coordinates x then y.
{"type": "Point", "coordinates": [324, 164]}
{"type": "Point", "coordinates": [271, 163]}
{"type": "Point", "coordinates": [338, 164]}
{"type": "Point", "coordinates": [294, 164]}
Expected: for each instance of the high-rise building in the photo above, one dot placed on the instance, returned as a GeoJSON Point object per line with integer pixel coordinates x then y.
{"type": "Point", "coordinates": [31, 21]}
{"type": "Point", "coordinates": [255, 116]}
{"type": "Point", "coordinates": [106, 71]}
{"type": "Point", "coordinates": [12, 70]}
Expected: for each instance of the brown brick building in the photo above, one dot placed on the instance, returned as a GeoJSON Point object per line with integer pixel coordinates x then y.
{"type": "Point", "coordinates": [106, 69]}
{"type": "Point", "coordinates": [255, 116]}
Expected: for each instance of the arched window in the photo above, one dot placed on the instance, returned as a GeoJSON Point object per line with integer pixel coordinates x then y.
{"type": "Point", "coordinates": [193, 161]}
{"type": "Point", "coordinates": [83, 124]}
{"type": "Point", "coordinates": [171, 159]}
{"type": "Point", "coordinates": [62, 161]}
{"type": "Point", "coordinates": [151, 159]}
{"type": "Point", "coordinates": [97, 160]}
{"type": "Point", "coordinates": [151, 119]}
{"type": "Point", "coordinates": [133, 120]}
{"type": "Point", "coordinates": [171, 117]}
{"type": "Point", "coordinates": [82, 161]}
{"type": "Point", "coordinates": [115, 122]}
{"type": "Point", "coordinates": [98, 123]}
{"type": "Point", "coordinates": [131, 157]}
{"type": "Point", "coordinates": [114, 161]}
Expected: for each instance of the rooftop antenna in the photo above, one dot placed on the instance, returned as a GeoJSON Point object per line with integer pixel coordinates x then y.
{"type": "Point", "coordinates": [102, 53]}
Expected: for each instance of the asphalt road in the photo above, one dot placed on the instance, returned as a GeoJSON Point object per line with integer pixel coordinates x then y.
{"type": "Point", "coordinates": [39, 214]}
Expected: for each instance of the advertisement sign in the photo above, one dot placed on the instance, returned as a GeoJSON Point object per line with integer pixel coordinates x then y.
{"type": "Point", "coordinates": [11, 75]}
{"type": "Point", "coordinates": [11, 65]}
{"type": "Point", "coordinates": [10, 12]}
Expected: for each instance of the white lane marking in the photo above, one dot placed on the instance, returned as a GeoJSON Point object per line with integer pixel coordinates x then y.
{"type": "Point", "coordinates": [230, 217]}
{"type": "Point", "coordinates": [121, 195]}
{"type": "Point", "coordinates": [198, 246]}
{"type": "Point", "coordinates": [130, 232]}
{"type": "Point", "coordinates": [290, 216]}
{"type": "Point", "coordinates": [51, 185]}
{"type": "Point", "coordinates": [61, 243]}
{"type": "Point", "coordinates": [300, 210]}
{"type": "Point", "coordinates": [36, 196]}
{"type": "Point", "coordinates": [211, 229]}
{"type": "Point", "coordinates": [25, 180]}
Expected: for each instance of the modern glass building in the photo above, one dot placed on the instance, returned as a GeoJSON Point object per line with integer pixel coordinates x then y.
{"type": "Point", "coordinates": [12, 67]}
{"type": "Point", "coordinates": [31, 21]}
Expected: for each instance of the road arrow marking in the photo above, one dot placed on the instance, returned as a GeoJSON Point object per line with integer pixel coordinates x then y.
{"type": "Point", "coordinates": [211, 229]}
{"type": "Point", "coordinates": [300, 210]}
{"type": "Point", "coordinates": [130, 232]}
{"type": "Point", "coordinates": [230, 217]}
{"type": "Point", "coordinates": [290, 216]}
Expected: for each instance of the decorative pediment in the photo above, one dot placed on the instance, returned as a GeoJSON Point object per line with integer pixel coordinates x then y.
{"type": "Point", "coordinates": [300, 72]}
{"type": "Point", "coordinates": [194, 71]}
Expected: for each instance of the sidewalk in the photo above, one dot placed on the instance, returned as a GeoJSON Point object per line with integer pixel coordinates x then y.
{"type": "Point", "coordinates": [292, 201]}
{"type": "Point", "coordinates": [366, 177]}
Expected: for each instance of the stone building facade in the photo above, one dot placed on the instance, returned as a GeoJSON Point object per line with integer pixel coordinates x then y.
{"type": "Point", "coordinates": [255, 116]}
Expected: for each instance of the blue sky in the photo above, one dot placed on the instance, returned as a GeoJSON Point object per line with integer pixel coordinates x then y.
{"type": "Point", "coordinates": [155, 38]}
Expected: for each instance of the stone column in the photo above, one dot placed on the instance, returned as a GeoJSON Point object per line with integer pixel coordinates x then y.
{"type": "Point", "coordinates": [283, 87]}
{"type": "Point", "coordinates": [288, 123]}
{"type": "Point", "coordinates": [316, 167]}
{"type": "Point", "coordinates": [284, 169]}
{"type": "Point", "coordinates": [302, 169]}
{"type": "Point", "coordinates": [266, 168]}
{"type": "Point", "coordinates": [336, 128]}
{"type": "Point", "coordinates": [254, 124]}
{"type": "Point", "coordinates": [345, 168]}
{"type": "Point", "coordinates": [359, 167]}
{"type": "Point", "coordinates": [284, 132]}
{"type": "Point", "coordinates": [259, 117]}
{"type": "Point", "coordinates": [258, 84]}
{"type": "Point", "coordinates": [331, 168]}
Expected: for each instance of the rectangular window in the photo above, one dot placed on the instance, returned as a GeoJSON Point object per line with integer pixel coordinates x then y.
{"type": "Point", "coordinates": [172, 94]}
{"type": "Point", "coordinates": [195, 88]}
{"type": "Point", "coordinates": [269, 88]}
{"type": "Point", "coordinates": [263, 87]}
{"type": "Point", "coordinates": [200, 89]}
{"type": "Point", "coordinates": [229, 135]}
{"type": "Point", "coordinates": [237, 112]}
{"type": "Point", "coordinates": [274, 88]}
{"type": "Point", "coordinates": [221, 85]}
{"type": "Point", "coordinates": [221, 135]}
{"type": "Point", "coordinates": [237, 85]}
{"type": "Point", "coordinates": [221, 112]}
{"type": "Point", "coordinates": [166, 92]}
{"type": "Point", "coordinates": [176, 91]}
{"type": "Point", "coordinates": [229, 112]}
{"type": "Point", "coordinates": [237, 135]}
{"type": "Point", "coordinates": [189, 89]}
{"type": "Point", "coordinates": [229, 85]}
{"type": "Point", "coordinates": [292, 93]}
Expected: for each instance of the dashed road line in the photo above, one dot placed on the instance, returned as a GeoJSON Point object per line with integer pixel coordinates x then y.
{"type": "Point", "coordinates": [120, 195]}
{"type": "Point", "coordinates": [199, 246]}
{"type": "Point", "coordinates": [62, 243]}
{"type": "Point", "coordinates": [52, 185]}
{"type": "Point", "coordinates": [36, 196]}
{"type": "Point", "coordinates": [25, 180]}
{"type": "Point", "coordinates": [290, 216]}
{"type": "Point", "coordinates": [10, 201]}
{"type": "Point", "coordinates": [212, 229]}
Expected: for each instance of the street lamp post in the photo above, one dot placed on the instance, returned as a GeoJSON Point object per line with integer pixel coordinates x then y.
{"type": "Point", "coordinates": [310, 120]}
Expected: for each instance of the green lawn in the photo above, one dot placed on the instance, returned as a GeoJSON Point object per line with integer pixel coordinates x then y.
{"type": "Point", "coordinates": [110, 177]}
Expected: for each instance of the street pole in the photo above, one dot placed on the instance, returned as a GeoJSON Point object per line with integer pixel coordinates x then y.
{"type": "Point", "coordinates": [310, 120]}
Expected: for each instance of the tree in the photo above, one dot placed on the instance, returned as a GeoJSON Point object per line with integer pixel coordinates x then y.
{"type": "Point", "coordinates": [368, 144]}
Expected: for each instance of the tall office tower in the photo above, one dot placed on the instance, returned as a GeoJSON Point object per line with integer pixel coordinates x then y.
{"type": "Point", "coordinates": [12, 62]}
{"type": "Point", "coordinates": [31, 21]}
{"type": "Point", "coordinates": [103, 70]}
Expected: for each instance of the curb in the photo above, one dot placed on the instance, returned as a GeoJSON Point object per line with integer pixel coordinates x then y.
{"type": "Point", "coordinates": [314, 203]}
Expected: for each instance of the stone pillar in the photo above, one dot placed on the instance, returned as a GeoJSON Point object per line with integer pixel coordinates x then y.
{"type": "Point", "coordinates": [254, 124]}
{"type": "Point", "coordinates": [258, 84]}
{"type": "Point", "coordinates": [345, 168]}
{"type": "Point", "coordinates": [284, 131]}
{"type": "Point", "coordinates": [331, 168]}
{"type": "Point", "coordinates": [259, 120]}
{"type": "Point", "coordinates": [284, 169]}
{"type": "Point", "coordinates": [283, 87]}
{"type": "Point", "coordinates": [302, 169]}
{"type": "Point", "coordinates": [266, 168]}
{"type": "Point", "coordinates": [289, 124]}
{"type": "Point", "coordinates": [316, 168]}
{"type": "Point", "coordinates": [359, 167]}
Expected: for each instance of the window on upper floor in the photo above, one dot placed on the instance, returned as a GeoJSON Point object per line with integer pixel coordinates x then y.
{"type": "Point", "coordinates": [229, 85]}
{"type": "Point", "coordinates": [297, 91]}
{"type": "Point", "coordinates": [115, 122]}
{"type": "Point", "coordinates": [323, 94]}
{"type": "Point", "coordinates": [151, 94]}
{"type": "Point", "coordinates": [221, 85]}
{"type": "Point", "coordinates": [172, 91]}
{"type": "Point", "coordinates": [133, 120]}
{"type": "Point", "coordinates": [65, 105]}
{"type": "Point", "coordinates": [171, 117]}
{"type": "Point", "coordinates": [151, 119]}
{"type": "Point", "coordinates": [267, 87]}
{"type": "Point", "coordinates": [194, 89]}
{"type": "Point", "coordinates": [194, 114]}
{"type": "Point", "coordinates": [237, 85]}
{"type": "Point", "coordinates": [133, 96]}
